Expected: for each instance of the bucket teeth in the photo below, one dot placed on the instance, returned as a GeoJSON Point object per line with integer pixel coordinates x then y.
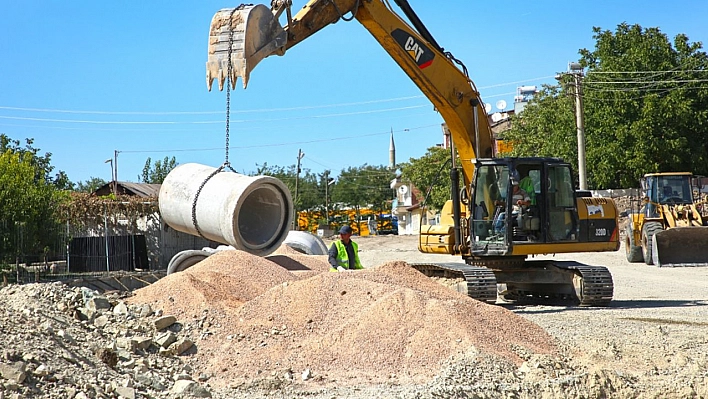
{"type": "Point", "coordinates": [253, 32]}
{"type": "Point", "coordinates": [217, 66]}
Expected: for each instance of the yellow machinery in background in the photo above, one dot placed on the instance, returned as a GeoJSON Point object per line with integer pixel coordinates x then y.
{"type": "Point", "coordinates": [667, 225]}
{"type": "Point", "coordinates": [367, 222]}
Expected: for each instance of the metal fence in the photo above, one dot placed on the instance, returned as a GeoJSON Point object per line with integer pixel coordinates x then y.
{"type": "Point", "coordinates": [114, 245]}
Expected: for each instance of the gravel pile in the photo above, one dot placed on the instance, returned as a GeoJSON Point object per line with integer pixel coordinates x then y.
{"type": "Point", "coordinates": [238, 326]}
{"type": "Point", "coordinates": [388, 323]}
{"type": "Point", "coordinates": [63, 342]}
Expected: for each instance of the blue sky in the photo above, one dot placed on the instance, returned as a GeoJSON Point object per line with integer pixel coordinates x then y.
{"type": "Point", "coordinates": [87, 78]}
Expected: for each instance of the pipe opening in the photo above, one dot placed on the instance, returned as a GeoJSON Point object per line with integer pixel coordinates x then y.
{"type": "Point", "coordinates": [262, 217]}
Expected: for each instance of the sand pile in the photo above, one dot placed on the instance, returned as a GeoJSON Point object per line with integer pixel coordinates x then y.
{"type": "Point", "coordinates": [374, 325]}
{"type": "Point", "coordinates": [224, 280]}
{"type": "Point", "coordinates": [300, 262]}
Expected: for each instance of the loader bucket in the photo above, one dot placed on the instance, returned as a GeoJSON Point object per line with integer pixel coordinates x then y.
{"type": "Point", "coordinates": [256, 35]}
{"type": "Point", "coordinates": [680, 246]}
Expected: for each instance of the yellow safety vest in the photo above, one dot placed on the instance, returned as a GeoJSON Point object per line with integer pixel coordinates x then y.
{"type": "Point", "coordinates": [343, 258]}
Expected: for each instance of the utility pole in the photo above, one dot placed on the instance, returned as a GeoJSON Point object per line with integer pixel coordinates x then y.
{"type": "Point", "coordinates": [300, 154]}
{"type": "Point", "coordinates": [115, 172]}
{"type": "Point", "coordinates": [113, 175]}
{"type": "Point", "coordinates": [576, 71]}
{"type": "Point", "coordinates": [328, 182]}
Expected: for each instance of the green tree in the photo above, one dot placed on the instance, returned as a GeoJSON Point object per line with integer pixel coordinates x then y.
{"type": "Point", "coordinates": [28, 200]}
{"type": "Point", "coordinates": [644, 109]}
{"type": "Point", "coordinates": [157, 172]}
{"type": "Point", "coordinates": [41, 163]}
{"type": "Point", "coordinates": [430, 173]}
{"type": "Point", "coordinates": [90, 185]}
{"type": "Point", "coordinates": [366, 186]}
{"type": "Point", "coordinates": [304, 187]}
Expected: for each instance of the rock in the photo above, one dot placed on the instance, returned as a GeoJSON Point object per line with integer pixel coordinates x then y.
{"type": "Point", "coordinates": [15, 372]}
{"type": "Point", "coordinates": [98, 303]}
{"type": "Point", "coordinates": [120, 309]}
{"type": "Point", "coordinates": [180, 346]}
{"type": "Point", "coordinates": [306, 375]}
{"type": "Point", "coordinates": [125, 392]}
{"type": "Point", "coordinates": [101, 321]}
{"type": "Point", "coordinates": [190, 387]}
{"type": "Point", "coordinates": [164, 340]}
{"type": "Point", "coordinates": [163, 322]}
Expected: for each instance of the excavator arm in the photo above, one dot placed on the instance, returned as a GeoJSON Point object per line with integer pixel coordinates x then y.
{"type": "Point", "coordinates": [241, 37]}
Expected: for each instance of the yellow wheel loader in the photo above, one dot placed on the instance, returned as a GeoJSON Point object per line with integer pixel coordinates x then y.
{"type": "Point", "coordinates": [666, 224]}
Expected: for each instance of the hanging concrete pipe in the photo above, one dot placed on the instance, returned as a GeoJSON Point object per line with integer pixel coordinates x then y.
{"type": "Point", "coordinates": [250, 213]}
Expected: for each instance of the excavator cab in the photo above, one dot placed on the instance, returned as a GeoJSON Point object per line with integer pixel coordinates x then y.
{"type": "Point", "coordinates": [548, 213]}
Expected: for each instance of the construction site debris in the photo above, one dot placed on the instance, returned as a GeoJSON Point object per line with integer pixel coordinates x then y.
{"type": "Point", "coordinates": [59, 341]}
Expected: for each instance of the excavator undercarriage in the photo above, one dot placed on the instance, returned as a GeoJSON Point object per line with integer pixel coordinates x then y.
{"type": "Point", "coordinates": [537, 282]}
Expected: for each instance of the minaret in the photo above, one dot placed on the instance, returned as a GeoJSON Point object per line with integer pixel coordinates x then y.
{"type": "Point", "coordinates": [392, 153]}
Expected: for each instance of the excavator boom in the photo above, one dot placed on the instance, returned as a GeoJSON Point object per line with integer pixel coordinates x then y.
{"type": "Point", "coordinates": [258, 34]}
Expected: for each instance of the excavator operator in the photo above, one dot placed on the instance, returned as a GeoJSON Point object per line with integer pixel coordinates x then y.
{"type": "Point", "coordinates": [520, 200]}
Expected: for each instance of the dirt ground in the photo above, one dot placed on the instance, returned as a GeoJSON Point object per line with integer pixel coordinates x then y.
{"type": "Point", "coordinates": [653, 333]}
{"type": "Point", "coordinates": [285, 327]}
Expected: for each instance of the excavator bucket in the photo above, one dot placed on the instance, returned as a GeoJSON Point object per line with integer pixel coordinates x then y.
{"type": "Point", "coordinates": [251, 33]}
{"type": "Point", "coordinates": [681, 246]}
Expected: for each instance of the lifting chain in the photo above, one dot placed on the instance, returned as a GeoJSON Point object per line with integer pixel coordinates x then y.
{"type": "Point", "coordinates": [226, 163]}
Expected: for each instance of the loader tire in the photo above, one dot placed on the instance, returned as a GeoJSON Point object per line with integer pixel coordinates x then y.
{"type": "Point", "coordinates": [632, 251]}
{"type": "Point", "coordinates": [186, 259]}
{"type": "Point", "coordinates": [307, 243]}
{"type": "Point", "coordinates": [650, 228]}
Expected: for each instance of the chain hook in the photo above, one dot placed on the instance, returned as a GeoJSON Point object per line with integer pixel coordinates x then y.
{"type": "Point", "coordinates": [226, 164]}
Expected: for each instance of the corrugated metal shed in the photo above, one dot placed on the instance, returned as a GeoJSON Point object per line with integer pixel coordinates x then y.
{"type": "Point", "coordinates": [144, 190]}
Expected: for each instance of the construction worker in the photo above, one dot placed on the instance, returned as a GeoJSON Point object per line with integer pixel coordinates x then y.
{"type": "Point", "coordinates": [344, 253]}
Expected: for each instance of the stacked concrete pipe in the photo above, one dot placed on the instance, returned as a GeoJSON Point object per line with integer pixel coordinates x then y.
{"type": "Point", "coordinates": [250, 213]}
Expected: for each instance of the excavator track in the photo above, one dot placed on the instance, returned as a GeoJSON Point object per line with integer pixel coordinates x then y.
{"type": "Point", "coordinates": [480, 282]}
{"type": "Point", "coordinates": [560, 281]}
{"type": "Point", "coordinates": [597, 285]}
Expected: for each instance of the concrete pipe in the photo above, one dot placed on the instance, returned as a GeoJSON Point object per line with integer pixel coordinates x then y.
{"type": "Point", "coordinates": [250, 213]}
{"type": "Point", "coordinates": [185, 259]}
{"type": "Point", "coordinates": [305, 242]}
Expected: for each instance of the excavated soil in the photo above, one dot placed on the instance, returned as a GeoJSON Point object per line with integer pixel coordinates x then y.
{"type": "Point", "coordinates": [366, 327]}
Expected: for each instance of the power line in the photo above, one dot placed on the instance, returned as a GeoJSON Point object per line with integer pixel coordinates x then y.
{"type": "Point", "coordinates": [278, 144]}
{"type": "Point", "coordinates": [643, 72]}
{"type": "Point", "coordinates": [596, 82]}
{"type": "Point", "coordinates": [258, 110]}
{"type": "Point", "coordinates": [517, 82]}
{"type": "Point", "coordinates": [209, 122]}
{"type": "Point", "coordinates": [210, 112]}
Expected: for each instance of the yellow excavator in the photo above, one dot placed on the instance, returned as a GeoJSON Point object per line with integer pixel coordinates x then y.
{"type": "Point", "coordinates": [495, 249]}
{"type": "Point", "coordinates": [667, 227]}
